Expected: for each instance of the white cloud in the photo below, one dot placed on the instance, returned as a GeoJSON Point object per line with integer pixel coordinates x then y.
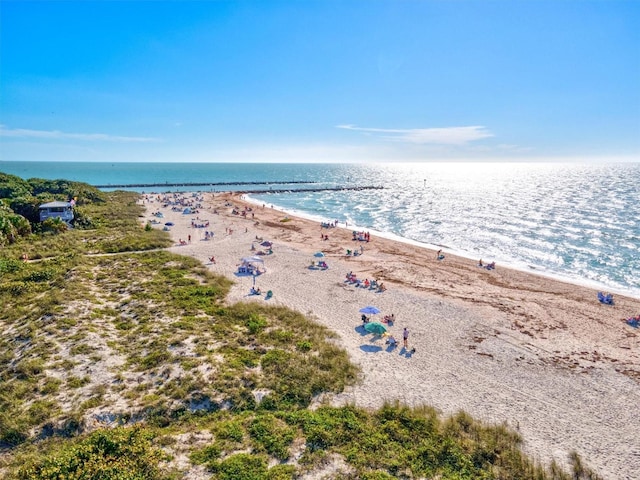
{"type": "Point", "coordinates": [443, 136]}
{"type": "Point", "coordinates": [58, 135]}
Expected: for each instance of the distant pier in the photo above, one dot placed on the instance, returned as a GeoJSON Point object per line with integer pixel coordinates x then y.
{"type": "Point", "coordinates": [263, 190]}
{"type": "Point", "coordinates": [318, 189]}
{"type": "Point", "coordinates": [199, 184]}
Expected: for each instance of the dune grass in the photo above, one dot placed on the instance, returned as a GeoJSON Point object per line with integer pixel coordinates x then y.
{"type": "Point", "coordinates": [107, 330]}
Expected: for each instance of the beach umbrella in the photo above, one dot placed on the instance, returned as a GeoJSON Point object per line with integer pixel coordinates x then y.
{"type": "Point", "coordinates": [375, 327]}
{"type": "Point", "coordinates": [370, 310]}
{"type": "Point", "coordinates": [318, 254]}
{"type": "Point", "coordinates": [266, 243]}
{"type": "Point", "coordinates": [169, 224]}
{"type": "Point", "coordinates": [253, 259]}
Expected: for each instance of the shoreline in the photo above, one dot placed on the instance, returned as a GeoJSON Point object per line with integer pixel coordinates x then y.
{"type": "Point", "coordinates": [521, 267]}
{"type": "Point", "coordinates": [504, 345]}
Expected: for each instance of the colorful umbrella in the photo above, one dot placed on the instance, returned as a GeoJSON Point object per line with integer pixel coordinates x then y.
{"type": "Point", "coordinates": [375, 327]}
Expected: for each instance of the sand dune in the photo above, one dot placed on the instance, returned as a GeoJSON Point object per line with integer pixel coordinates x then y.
{"type": "Point", "coordinates": [506, 346]}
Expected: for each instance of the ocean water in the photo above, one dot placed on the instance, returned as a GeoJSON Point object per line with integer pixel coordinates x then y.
{"type": "Point", "coordinates": [576, 222]}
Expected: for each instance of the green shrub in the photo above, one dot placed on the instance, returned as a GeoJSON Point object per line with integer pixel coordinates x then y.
{"type": "Point", "coordinates": [77, 382]}
{"type": "Point", "coordinates": [41, 411]}
{"type": "Point", "coordinates": [16, 289]}
{"type": "Point", "coordinates": [304, 346]}
{"type": "Point", "coordinates": [208, 454]}
{"type": "Point", "coordinates": [12, 186]}
{"type": "Point", "coordinates": [54, 225]}
{"type": "Point", "coordinates": [11, 436]}
{"type": "Point", "coordinates": [10, 265]}
{"type": "Point", "coordinates": [43, 275]}
{"type": "Point", "coordinates": [241, 466]}
{"type": "Point", "coordinates": [282, 472]}
{"type": "Point", "coordinates": [256, 323]}
{"type": "Point", "coordinates": [271, 435]}
{"type": "Point", "coordinates": [29, 369]}
{"type": "Point", "coordinates": [106, 455]}
{"type": "Point", "coordinates": [154, 359]}
{"type": "Point", "coordinates": [230, 430]}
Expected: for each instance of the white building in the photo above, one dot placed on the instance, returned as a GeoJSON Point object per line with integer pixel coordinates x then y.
{"type": "Point", "coordinates": [62, 210]}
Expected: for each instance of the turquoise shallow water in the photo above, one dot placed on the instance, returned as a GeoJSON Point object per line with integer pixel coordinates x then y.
{"type": "Point", "coordinates": [578, 222]}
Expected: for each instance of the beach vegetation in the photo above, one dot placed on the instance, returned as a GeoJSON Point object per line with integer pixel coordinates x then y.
{"type": "Point", "coordinates": [107, 454]}
{"type": "Point", "coordinates": [113, 348]}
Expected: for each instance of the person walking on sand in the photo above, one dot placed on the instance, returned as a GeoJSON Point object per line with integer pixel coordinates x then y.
{"type": "Point", "coordinates": [405, 337]}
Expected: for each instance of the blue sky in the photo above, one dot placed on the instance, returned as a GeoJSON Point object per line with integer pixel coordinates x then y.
{"type": "Point", "coordinates": [320, 81]}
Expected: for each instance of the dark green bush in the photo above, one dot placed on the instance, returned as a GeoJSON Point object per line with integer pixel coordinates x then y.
{"type": "Point", "coordinates": [272, 435]}
{"type": "Point", "coordinates": [241, 467]}
{"type": "Point", "coordinates": [119, 454]}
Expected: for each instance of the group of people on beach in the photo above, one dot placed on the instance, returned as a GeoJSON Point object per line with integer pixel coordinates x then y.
{"type": "Point", "coordinates": [371, 285]}
{"type": "Point", "coordinates": [329, 224]}
{"type": "Point", "coordinates": [488, 266]}
{"type": "Point", "coordinates": [361, 236]}
{"type": "Point", "coordinates": [392, 342]}
{"type": "Point", "coordinates": [196, 223]}
{"type": "Point", "coordinates": [244, 212]}
{"type": "Point", "coordinates": [633, 321]}
{"type": "Point", "coordinates": [481, 264]}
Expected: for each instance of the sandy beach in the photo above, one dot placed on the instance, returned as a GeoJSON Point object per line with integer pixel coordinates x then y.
{"type": "Point", "coordinates": [541, 355]}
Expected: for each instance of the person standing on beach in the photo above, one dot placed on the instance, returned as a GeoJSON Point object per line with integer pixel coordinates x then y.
{"type": "Point", "coordinates": [405, 337]}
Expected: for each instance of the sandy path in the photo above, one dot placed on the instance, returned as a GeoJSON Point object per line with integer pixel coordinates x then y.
{"type": "Point", "coordinates": [505, 346]}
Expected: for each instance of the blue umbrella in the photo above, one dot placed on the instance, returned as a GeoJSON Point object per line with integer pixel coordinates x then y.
{"type": "Point", "coordinates": [169, 224]}
{"type": "Point", "coordinates": [318, 254]}
{"type": "Point", "coordinates": [370, 310]}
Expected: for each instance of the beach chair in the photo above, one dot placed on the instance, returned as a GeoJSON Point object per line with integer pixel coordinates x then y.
{"type": "Point", "coordinates": [392, 342]}
{"type": "Point", "coordinates": [606, 299]}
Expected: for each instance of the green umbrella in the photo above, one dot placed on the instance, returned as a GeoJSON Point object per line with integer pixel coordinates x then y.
{"type": "Point", "coordinates": [375, 327]}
